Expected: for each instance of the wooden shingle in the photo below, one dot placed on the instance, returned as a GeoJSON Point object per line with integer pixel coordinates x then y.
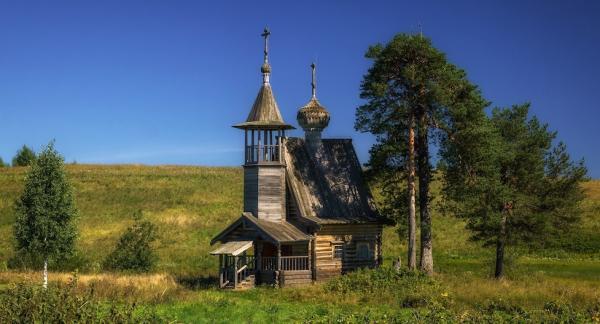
{"type": "Point", "coordinates": [328, 184]}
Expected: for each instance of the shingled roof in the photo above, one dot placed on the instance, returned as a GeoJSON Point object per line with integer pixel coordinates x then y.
{"type": "Point", "coordinates": [248, 227]}
{"type": "Point", "coordinates": [328, 184]}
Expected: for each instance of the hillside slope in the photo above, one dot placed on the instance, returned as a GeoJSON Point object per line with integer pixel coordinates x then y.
{"type": "Point", "coordinates": [191, 204]}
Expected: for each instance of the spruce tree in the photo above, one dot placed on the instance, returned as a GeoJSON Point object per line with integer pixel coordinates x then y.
{"type": "Point", "coordinates": [45, 211]}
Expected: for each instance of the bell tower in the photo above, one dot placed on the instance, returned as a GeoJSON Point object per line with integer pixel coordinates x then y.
{"type": "Point", "coordinates": [264, 168]}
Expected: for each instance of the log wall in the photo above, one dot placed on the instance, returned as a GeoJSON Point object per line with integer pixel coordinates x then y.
{"type": "Point", "coordinates": [348, 236]}
{"type": "Point", "coordinates": [294, 278]}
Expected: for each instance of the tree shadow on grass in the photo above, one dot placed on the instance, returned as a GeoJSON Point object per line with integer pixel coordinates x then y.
{"type": "Point", "coordinates": [197, 282]}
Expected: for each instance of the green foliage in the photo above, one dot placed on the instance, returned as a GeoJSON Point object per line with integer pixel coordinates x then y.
{"type": "Point", "coordinates": [409, 288]}
{"type": "Point", "coordinates": [411, 85]}
{"type": "Point", "coordinates": [25, 303]}
{"type": "Point", "coordinates": [134, 250]}
{"type": "Point", "coordinates": [44, 227]}
{"type": "Point", "coordinates": [25, 157]}
{"type": "Point", "coordinates": [507, 180]}
{"type": "Point", "coordinates": [2, 164]}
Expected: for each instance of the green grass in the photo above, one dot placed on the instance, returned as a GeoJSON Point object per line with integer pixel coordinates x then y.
{"type": "Point", "coordinates": [191, 204]}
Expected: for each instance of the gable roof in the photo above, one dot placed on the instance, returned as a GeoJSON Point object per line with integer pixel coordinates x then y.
{"type": "Point", "coordinates": [277, 232]}
{"type": "Point", "coordinates": [328, 184]}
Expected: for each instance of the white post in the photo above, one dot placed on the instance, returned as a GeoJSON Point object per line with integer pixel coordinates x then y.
{"type": "Point", "coordinates": [46, 273]}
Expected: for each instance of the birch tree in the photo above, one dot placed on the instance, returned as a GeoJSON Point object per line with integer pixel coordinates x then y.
{"type": "Point", "coordinates": [45, 212]}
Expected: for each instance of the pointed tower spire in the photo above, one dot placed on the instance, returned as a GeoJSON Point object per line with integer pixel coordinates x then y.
{"type": "Point", "coordinates": [265, 113]}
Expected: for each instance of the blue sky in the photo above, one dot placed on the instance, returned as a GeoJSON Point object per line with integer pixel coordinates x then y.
{"type": "Point", "coordinates": [161, 82]}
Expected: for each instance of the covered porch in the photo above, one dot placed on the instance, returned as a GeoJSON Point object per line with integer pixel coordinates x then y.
{"type": "Point", "coordinates": [256, 251]}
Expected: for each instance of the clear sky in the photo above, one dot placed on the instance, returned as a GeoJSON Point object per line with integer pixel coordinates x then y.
{"type": "Point", "coordinates": [161, 82]}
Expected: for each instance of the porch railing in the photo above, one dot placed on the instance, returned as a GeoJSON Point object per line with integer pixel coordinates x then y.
{"type": "Point", "coordinates": [289, 263]}
{"type": "Point", "coordinates": [236, 274]}
{"type": "Point", "coordinates": [241, 261]}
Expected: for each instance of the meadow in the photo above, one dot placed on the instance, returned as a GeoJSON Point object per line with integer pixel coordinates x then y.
{"type": "Point", "coordinates": [191, 204]}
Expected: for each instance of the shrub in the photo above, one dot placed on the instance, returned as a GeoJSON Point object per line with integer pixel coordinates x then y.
{"type": "Point", "coordinates": [559, 312]}
{"type": "Point", "coordinates": [134, 250]}
{"type": "Point", "coordinates": [24, 303]}
{"type": "Point", "coordinates": [410, 288]}
{"type": "Point", "coordinates": [24, 157]}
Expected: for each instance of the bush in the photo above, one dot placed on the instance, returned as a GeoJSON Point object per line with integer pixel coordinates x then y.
{"type": "Point", "coordinates": [2, 164]}
{"type": "Point", "coordinates": [559, 312]}
{"type": "Point", "coordinates": [134, 250]}
{"type": "Point", "coordinates": [24, 157]}
{"type": "Point", "coordinates": [410, 288]}
{"type": "Point", "coordinates": [24, 303]}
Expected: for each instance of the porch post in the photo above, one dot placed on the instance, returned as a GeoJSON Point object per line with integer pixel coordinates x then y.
{"type": "Point", "coordinates": [309, 254]}
{"type": "Point", "coordinates": [220, 270]}
{"type": "Point", "coordinates": [278, 256]}
{"type": "Point", "coordinates": [313, 256]}
{"type": "Point", "coordinates": [235, 259]}
{"type": "Point", "coordinates": [258, 256]}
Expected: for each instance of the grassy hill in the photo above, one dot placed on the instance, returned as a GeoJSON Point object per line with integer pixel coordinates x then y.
{"type": "Point", "coordinates": [191, 204]}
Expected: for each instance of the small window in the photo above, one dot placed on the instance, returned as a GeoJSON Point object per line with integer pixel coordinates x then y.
{"type": "Point", "coordinates": [338, 250]}
{"type": "Point", "coordinates": [363, 250]}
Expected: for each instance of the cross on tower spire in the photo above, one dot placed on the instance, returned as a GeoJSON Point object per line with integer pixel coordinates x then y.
{"type": "Point", "coordinates": [266, 67]}
{"type": "Point", "coordinates": [266, 34]}
{"type": "Point", "coordinates": [314, 82]}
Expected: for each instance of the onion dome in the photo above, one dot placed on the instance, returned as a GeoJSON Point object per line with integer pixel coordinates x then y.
{"type": "Point", "coordinates": [313, 116]}
{"type": "Point", "coordinates": [265, 68]}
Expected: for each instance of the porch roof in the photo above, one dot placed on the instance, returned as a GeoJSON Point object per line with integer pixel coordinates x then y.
{"type": "Point", "coordinates": [234, 248]}
{"type": "Point", "coordinates": [277, 232]}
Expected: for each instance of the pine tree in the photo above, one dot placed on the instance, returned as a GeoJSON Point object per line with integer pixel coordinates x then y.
{"type": "Point", "coordinates": [411, 90]}
{"type": "Point", "coordinates": [45, 211]}
{"type": "Point", "coordinates": [25, 156]}
{"type": "Point", "coordinates": [509, 181]}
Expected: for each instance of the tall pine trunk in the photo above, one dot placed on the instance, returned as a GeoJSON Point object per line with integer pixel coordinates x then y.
{"type": "Point", "coordinates": [501, 242]}
{"type": "Point", "coordinates": [412, 223]}
{"type": "Point", "coordinates": [45, 273]}
{"type": "Point", "coordinates": [424, 179]}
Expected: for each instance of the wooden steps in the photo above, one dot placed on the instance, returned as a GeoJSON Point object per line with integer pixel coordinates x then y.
{"type": "Point", "coordinates": [247, 283]}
